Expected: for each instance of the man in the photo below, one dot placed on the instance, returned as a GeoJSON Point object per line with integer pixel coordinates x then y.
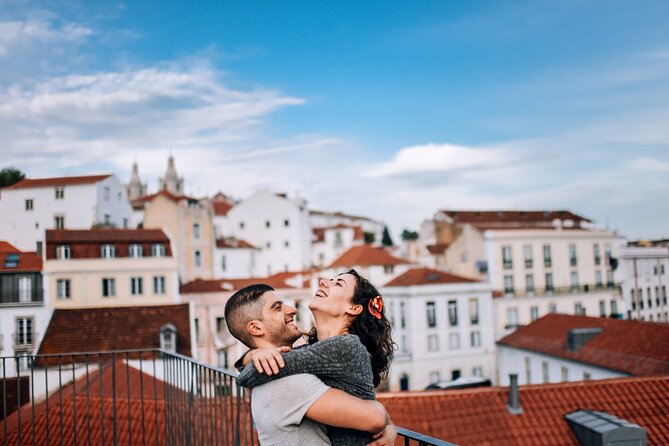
{"type": "Point", "coordinates": [292, 410]}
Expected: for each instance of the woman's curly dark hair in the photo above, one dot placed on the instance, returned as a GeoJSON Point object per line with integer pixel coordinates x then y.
{"type": "Point", "coordinates": [375, 334]}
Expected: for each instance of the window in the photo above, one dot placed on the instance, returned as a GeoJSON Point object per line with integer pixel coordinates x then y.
{"type": "Point", "coordinates": [286, 223]}
{"type": "Point", "coordinates": [527, 250]}
{"type": "Point", "coordinates": [136, 250]}
{"type": "Point", "coordinates": [286, 244]}
{"type": "Point", "coordinates": [197, 330]}
{"type": "Point", "coordinates": [607, 252]}
{"type": "Point", "coordinates": [241, 225]}
{"type": "Point", "coordinates": [549, 282]}
{"type": "Point", "coordinates": [431, 315]}
{"type": "Point", "coordinates": [657, 296]}
{"type": "Point", "coordinates": [598, 279]}
{"type": "Point", "coordinates": [586, 376]}
{"type": "Point", "coordinates": [25, 289]}
{"type": "Point", "coordinates": [107, 251]}
{"type": "Point", "coordinates": [477, 371]}
{"type": "Point", "coordinates": [434, 377]}
{"type": "Point", "coordinates": [220, 325]}
{"type": "Point", "coordinates": [158, 284]}
{"type": "Point", "coordinates": [529, 283]}
{"type": "Point", "coordinates": [158, 250]}
{"type": "Point", "coordinates": [534, 313]}
{"type": "Point", "coordinates": [339, 242]}
{"type": "Point", "coordinates": [108, 287]}
{"type": "Point", "coordinates": [107, 220]}
{"type": "Point", "coordinates": [106, 193]}
{"type": "Point", "coordinates": [614, 306]}
{"type": "Point", "coordinates": [125, 223]}
{"type": "Point", "coordinates": [402, 318]}
{"type": "Point", "coordinates": [136, 286]}
{"type": "Point", "coordinates": [578, 309]}
{"type": "Point", "coordinates": [552, 308]}
{"type": "Point", "coordinates": [574, 281]}
{"type": "Point", "coordinates": [268, 245]}
{"type": "Point", "coordinates": [60, 192]}
{"type": "Point", "coordinates": [25, 361]}
{"type": "Point", "coordinates": [63, 288]}
{"type": "Point", "coordinates": [223, 263]}
{"type": "Point", "coordinates": [508, 284]}
{"type": "Point", "coordinates": [512, 317]}
{"type": "Point", "coordinates": [59, 222]}
{"type": "Point", "coordinates": [545, 371]}
{"type": "Point", "coordinates": [433, 343]}
{"type": "Point", "coordinates": [548, 261]}
{"type": "Point", "coordinates": [268, 224]}
{"type": "Point", "coordinates": [452, 313]}
{"type": "Point", "coordinates": [572, 255]}
{"type": "Point", "coordinates": [198, 258]}
{"type": "Point", "coordinates": [609, 279]}
{"type": "Point", "coordinates": [453, 341]}
{"type": "Point", "coordinates": [24, 331]}
{"type": "Point", "coordinates": [29, 204]}
{"type": "Point", "coordinates": [506, 257]}
{"type": "Point", "coordinates": [474, 311]}
{"type": "Point", "coordinates": [455, 374]}
{"type": "Point", "coordinates": [388, 269]}
{"type": "Point", "coordinates": [475, 338]}
{"type": "Point", "coordinates": [196, 231]}
{"type": "Point", "coordinates": [664, 294]}
{"type": "Point", "coordinates": [168, 338]}
{"type": "Point", "coordinates": [564, 373]}
{"type": "Point", "coordinates": [528, 371]}
{"type": "Point", "coordinates": [602, 308]}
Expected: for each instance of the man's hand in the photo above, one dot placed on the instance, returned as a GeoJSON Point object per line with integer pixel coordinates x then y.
{"type": "Point", "coordinates": [268, 360]}
{"type": "Point", "coordinates": [386, 437]}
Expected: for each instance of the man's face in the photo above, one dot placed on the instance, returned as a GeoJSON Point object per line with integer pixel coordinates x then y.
{"type": "Point", "coordinates": [279, 320]}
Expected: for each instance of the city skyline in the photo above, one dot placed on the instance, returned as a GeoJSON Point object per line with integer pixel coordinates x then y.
{"type": "Point", "coordinates": [392, 113]}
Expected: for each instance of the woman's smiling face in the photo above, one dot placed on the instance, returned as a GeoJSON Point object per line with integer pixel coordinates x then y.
{"type": "Point", "coordinates": [334, 296]}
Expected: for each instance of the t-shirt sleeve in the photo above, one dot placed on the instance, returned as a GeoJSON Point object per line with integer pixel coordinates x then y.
{"type": "Point", "coordinates": [299, 392]}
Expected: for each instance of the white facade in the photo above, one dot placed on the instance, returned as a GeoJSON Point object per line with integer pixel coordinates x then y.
{"type": "Point", "coordinates": [28, 212]}
{"type": "Point", "coordinates": [328, 219]}
{"type": "Point", "coordinates": [443, 331]}
{"type": "Point", "coordinates": [279, 226]}
{"type": "Point", "coordinates": [645, 278]}
{"type": "Point", "coordinates": [537, 368]}
{"type": "Point", "coordinates": [235, 263]}
{"type": "Point", "coordinates": [330, 242]}
{"type": "Point", "coordinates": [14, 317]}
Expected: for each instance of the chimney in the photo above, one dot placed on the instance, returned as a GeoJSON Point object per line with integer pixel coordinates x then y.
{"type": "Point", "coordinates": [513, 406]}
{"type": "Point", "coordinates": [578, 337]}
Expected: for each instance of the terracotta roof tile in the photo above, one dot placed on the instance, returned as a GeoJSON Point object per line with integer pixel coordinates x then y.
{"type": "Point", "coordinates": [221, 208]}
{"type": "Point", "coordinates": [512, 219]}
{"type": "Point", "coordinates": [319, 231]}
{"type": "Point", "coordinates": [139, 202]}
{"type": "Point", "coordinates": [27, 261]}
{"type": "Point", "coordinates": [276, 281]}
{"type": "Point", "coordinates": [366, 255]}
{"type": "Point", "coordinates": [480, 416]}
{"type": "Point", "coordinates": [634, 347]}
{"type": "Point", "coordinates": [232, 243]}
{"type": "Point", "coordinates": [115, 328]}
{"type": "Point", "coordinates": [426, 276]}
{"type": "Point", "coordinates": [57, 181]}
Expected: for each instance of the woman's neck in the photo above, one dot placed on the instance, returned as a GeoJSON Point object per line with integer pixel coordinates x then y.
{"type": "Point", "coordinates": [327, 327]}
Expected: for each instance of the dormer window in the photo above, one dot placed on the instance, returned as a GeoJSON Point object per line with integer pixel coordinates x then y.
{"type": "Point", "coordinates": [63, 252]}
{"type": "Point", "coordinates": [108, 251]}
{"type": "Point", "coordinates": [158, 250]}
{"type": "Point", "coordinates": [168, 338]}
{"type": "Point", "coordinates": [136, 250]}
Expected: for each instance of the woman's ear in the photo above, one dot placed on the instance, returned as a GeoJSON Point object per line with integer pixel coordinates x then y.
{"type": "Point", "coordinates": [255, 327]}
{"type": "Point", "coordinates": [354, 309]}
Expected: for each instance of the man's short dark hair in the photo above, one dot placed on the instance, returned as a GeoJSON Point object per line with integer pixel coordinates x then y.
{"type": "Point", "coordinates": [242, 307]}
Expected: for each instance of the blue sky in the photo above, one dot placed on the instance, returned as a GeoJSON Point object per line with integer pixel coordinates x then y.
{"type": "Point", "coordinates": [390, 109]}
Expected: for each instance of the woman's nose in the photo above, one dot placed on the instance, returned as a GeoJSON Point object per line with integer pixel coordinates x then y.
{"type": "Point", "coordinates": [324, 283]}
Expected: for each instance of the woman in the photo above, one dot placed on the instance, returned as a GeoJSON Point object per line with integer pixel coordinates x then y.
{"type": "Point", "coordinates": [349, 349]}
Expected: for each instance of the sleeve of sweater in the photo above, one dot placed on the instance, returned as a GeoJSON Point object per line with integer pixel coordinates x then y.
{"type": "Point", "coordinates": [335, 358]}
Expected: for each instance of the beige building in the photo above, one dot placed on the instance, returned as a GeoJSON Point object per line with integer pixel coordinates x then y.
{"type": "Point", "coordinates": [109, 268]}
{"type": "Point", "coordinates": [189, 223]}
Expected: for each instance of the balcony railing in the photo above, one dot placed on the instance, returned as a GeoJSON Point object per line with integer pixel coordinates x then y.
{"type": "Point", "coordinates": [135, 397]}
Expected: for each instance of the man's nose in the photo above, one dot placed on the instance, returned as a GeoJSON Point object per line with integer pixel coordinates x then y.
{"type": "Point", "coordinates": [290, 309]}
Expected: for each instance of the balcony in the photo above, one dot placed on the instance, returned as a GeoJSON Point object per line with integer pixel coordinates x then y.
{"type": "Point", "coordinates": [563, 290]}
{"type": "Point", "coordinates": [138, 397]}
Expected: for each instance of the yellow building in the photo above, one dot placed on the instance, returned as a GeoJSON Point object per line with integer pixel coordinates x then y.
{"type": "Point", "coordinates": [189, 222]}
{"type": "Point", "coordinates": [110, 268]}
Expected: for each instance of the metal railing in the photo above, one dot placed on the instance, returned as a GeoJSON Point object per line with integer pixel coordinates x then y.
{"type": "Point", "coordinates": [133, 397]}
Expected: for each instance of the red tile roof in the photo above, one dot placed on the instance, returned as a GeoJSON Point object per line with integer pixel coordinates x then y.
{"type": "Point", "coordinates": [233, 243]}
{"type": "Point", "coordinates": [426, 276]}
{"type": "Point", "coordinates": [319, 231]}
{"type": "Point", "coordinates": [508, 219]}
{"type": "Point", "coordinates": [221, 207]}
{"type": "Point", "coordinates": [138, 203]}
{"type": "Point", "coordinates": [115, 328]}
{"type": "Point", "coordinates": [439, 248]}
{"type": "Point", "coordinates": [276, 281]}
{"type": "Point", "coordinates": [633, 347]}
{"type": "Point", "coordinates": [366, 255]}
{"type": "Point", "coordinates": [105, 235]}
{"type": "Point", "coordinates": [480, 417]}
{"type": "Point", "coordinates": [29, 262]}
{"type": "Point", "coordinates": [57, 181]}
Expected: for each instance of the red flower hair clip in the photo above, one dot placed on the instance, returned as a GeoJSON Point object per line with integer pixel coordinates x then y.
{"type": "Point", "coordinates": [375, 306]}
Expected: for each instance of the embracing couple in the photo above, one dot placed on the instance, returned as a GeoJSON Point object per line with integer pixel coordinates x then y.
{"type": "Point", "coordinates": [321, 393]}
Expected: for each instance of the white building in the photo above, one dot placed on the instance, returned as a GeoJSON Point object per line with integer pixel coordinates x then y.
{"type": "Point", "coordinates": [443, 325]}
{"type": "Point", "coordinates": [31, 206]}
{"type": "Point", "coordinates": [221, 205]}
{"type": "Point", "coordinates": [323, 219]}
{"type": "Point", "coordinates": [23, 313]}
{"type": "Point", "coordinates": [373, 263]}
{"type": "Point", "coordinates": [329, 242]}
{"type": "Point", "coordinates": [540, 261]}
{"type": "Point", "coordinates": [235, 259]}
{"type": "Point", "coordinates": [560, 347]}
{"type": "Point", "coordinates": [644, 270]}
{"type": "Point", "coordinates": [276, 224]}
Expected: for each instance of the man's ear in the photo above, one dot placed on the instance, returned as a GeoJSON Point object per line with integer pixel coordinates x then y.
{"type": "Point", "coordinates": [255, 328]}
{"type": "Point", "coordinates": [354, 309]}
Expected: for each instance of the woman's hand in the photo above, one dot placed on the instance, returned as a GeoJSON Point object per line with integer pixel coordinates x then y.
{"type": "Point", "coordinates": [386, 437]}
{"type": "Point", "coordinates": [268, 360]}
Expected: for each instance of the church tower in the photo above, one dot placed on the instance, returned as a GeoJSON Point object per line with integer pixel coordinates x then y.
{"type": "Point", "coordinates": [135, 188]}
{"type": "Point", "coordinates": [171, 182]}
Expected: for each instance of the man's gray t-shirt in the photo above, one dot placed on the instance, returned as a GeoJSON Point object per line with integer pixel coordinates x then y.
{"type": "Point", "coordinates": [278, 409]}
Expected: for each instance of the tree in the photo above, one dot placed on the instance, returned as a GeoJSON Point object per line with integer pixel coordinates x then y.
{"type": "Point", "coordinates": [386, 240]}
{"type": "Point", "coordinates": [370, 237]}
{"type": "Point", "coordinates": [408, 235]}
{"type": "Point", "coordinates": [9, 176]}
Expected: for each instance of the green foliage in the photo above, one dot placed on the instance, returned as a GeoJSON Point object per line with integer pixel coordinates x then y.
{"type": "Point", "coordinates": [408, 235]}
{"type": "Point", "coordinates": [369, 237]}
{"type": "Point", "coordinates": [386, 240]}
{"type": "Point", "coordinates": [9, 176]}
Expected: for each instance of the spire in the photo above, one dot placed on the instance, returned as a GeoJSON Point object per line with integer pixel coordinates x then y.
{"type": "Point", "coordinates": [135, 188]}
{"type": "Point", "coordinates": [171, 182]}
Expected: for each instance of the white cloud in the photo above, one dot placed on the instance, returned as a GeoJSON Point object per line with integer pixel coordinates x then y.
{"type": "Point", "coordinates": [650, 164]}
{"type": "Point", "coordinates": [19, 34]}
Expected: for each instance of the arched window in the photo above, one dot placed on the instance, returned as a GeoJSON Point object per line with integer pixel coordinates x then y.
{"type": "Point", "coordinates": [168, 338]}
